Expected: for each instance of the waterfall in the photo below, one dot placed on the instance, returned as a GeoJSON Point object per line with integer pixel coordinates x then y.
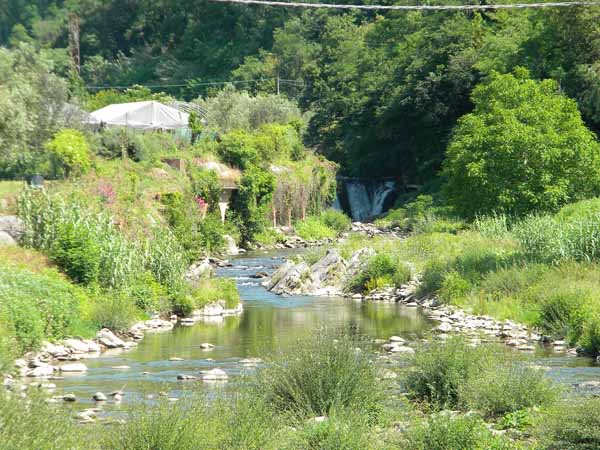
{"type": "Point", "coordinates": [380, 195]}
{"type": "Point", "coordinates": [358, 197]}
{"type": "Point", "coordinates": [366, 198]}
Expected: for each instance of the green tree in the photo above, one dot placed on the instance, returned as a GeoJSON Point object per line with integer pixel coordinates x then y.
{"type": "Point", "coordinates": [69, 153]}
{"type": "Point", "coordinates": [524, 148]}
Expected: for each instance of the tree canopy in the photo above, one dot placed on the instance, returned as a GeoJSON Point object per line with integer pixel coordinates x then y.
{"type": "Point", "coordinates": [523, 148]}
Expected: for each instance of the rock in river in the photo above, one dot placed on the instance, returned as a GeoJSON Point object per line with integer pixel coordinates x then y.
{"type": "Point", "coordinates": [215, 375]}
{"type": "Point", "coordinates": [75, 367]}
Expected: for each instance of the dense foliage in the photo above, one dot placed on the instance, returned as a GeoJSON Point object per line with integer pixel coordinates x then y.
{"type": "Point", "coordinates": [524, 148]}
{"type": "Point", "coordinates": [386, 90]}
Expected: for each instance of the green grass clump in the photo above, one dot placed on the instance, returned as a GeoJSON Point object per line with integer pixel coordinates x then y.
{"type": "Point", "coordinates": [350, 432]}
{"type": "Point", "coordinates": [487, 379]}
{"type": "Point", "coordinates": [444, 431]}
{"type": "Point", "coordinates": [379, 271]}
{"type": "Point", "coordinates": [39, 306]}
{"type": "Point", "coordinates": [322, 375]}
{"type": "Point", "coordinates": [327, 225]}
{"type": "Point", "coordinates": [194, 422]}
{"type": "Point", "coordinates": [313, 229]}
{"type": "Point", "coordinates": [507, 389]}
{"type": "Point", "coordinates": [571, 425]}
{"type": "Point", "coordinates": [37, 425]}
{"type": "Point", "coordinates": [335, 219]}
{"type": "Point", "coordinates": [210, 290]}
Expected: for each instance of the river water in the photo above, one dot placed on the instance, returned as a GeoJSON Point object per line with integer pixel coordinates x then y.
{"type": "Point", "coordinates": [269, 322]}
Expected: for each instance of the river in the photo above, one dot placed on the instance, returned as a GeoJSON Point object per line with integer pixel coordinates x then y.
{"type": "Point", "coordinates": [269, 322]}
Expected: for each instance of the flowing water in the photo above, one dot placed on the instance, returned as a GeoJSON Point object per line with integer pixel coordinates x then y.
{"type": "Point", "coordinates": [366, 198]}
{"type": "Point", "coordinates": [269, 322]}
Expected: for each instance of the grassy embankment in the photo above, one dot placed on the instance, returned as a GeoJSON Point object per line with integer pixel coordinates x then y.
{"type": "Point", "coordinates": [116, 240]}
{"type": "Point", "coordinates": [540, 270]}
{"type": "Point", "coordinates": [487, 390]}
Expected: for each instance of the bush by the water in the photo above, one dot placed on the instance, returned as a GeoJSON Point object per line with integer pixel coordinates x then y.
{"type": "Point", "coordinates": [572, 425]}
{"type": "Point", "coordinates": [444, 431]}
{"type": "Point", "coordinates": [38, 306]}
{"type": "Point", "coordinates": [380, 271]}
{"type": "Point", "coordinates": [487, 378]}
{"type": "Point", "coordinates": [322, 375]}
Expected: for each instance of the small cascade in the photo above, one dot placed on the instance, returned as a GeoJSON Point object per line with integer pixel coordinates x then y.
{"type": "Point", "coordinates": [363, 199]}
{"type": "Point", "coordinates": [380, 195]}
{"type": "Point", "coordinates": [358, 197]}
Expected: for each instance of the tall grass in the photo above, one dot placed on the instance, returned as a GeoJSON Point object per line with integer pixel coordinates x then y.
{"type": "Point", "coordinates": [320, 376]}
{"type": "Point", "coordinates": [572, 425]}
{"type": "Point", "coordinates": [444, 431]}
{"type": "Point", "coordinates": [487, 379]}
{"type": "Point", "coordinates": [119, 259]}
{"type": "Point", "coordinates": [38, 425]}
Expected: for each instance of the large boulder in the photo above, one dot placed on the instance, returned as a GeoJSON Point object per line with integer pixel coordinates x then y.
{"type": "Point", "coordinates": [296, 280]}
{"type": "Point", "coordinates": [13, 226]}
{"type": "Point", "coordinates": [198, 270]}
{"type": "Point", "coordinates": [328, 273]}
{"type": "Point", "coordinates": [108, 339]}
{"type": "Point", "coordinates": [6, 239]}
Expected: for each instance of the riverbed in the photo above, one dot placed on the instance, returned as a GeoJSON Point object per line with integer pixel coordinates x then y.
{"type": "Point", "coordinates": [269, 322]}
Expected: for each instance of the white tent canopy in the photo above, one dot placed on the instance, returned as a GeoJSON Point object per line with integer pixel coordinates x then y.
{"type": "Point", "coordinates": [149, 115]}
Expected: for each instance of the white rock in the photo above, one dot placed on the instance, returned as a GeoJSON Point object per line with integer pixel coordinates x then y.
{"type": "Point", "coordinates": [76, 345]}
{"type": "Point", "coordinates": [444, 327]}
{"type": "Point", "coordinates": [99, 397]}
{"type": "Point", "coordinates": [215, 375]}
{"type": "Point", "coordinates": [207, 346]}
{"type": "Point", "coordinates": [108, 338]}
{"type": "Point", "coordinates": [41, 372]}
{"type": "Point", "coordinates": [397, 339]}
{"type": "Point", "coordinates": [75, 367]}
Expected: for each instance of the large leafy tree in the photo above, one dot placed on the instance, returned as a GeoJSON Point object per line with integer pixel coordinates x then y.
{"type": "Point", "coordinates": [524, 148]}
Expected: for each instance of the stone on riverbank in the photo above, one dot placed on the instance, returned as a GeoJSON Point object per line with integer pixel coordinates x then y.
{"type": "Point", "coordinates": [215, 375]}
{"type": "Point", "coordinates": [108, 339]}
{"type": "Point", "coordinates": [75, 367]}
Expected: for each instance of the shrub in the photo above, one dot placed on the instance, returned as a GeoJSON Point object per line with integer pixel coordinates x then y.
{"type": "Point", "coordinates": [336, 220]}
{"type": "Point", "coordinates": [194, 422]}
{"type": "Point", "coordinates": [37, 425]}
{"type": "Point", "coordinates": [76, 251]}
{"type": "Point", "coordinates": [582, 210]}
{"type": "Point", "coordinates": [563, 314]}
{"type": "Point", "coordinates": [148, 294]}
{"type": "Point", "coordinates": [441, 370]}
{"type": "Point", "coordinates": [238, 148]}
{"type": "Point", "coordinates": [210, 290]}
{"type": "Point", "coordinates": [379, 271]}
{"type": "Point", "coordinates": [523, 148]}
{"type": "Point", "coordinates": [322, 374]}
{"type": "Point", "coordinates": [350, 432]}
{"type": "Point", "coordinates": [572, 425]}
{"type": "Point", "coordinates": [38, 306]}
{"type": "Point", "coordinates": [590, 337]}
{"type": "Point", "coordinates": [502, 390]}
{"type": "Point", "coordinates": [251, 202]}
{"type": "Point", "coordinates": [69, 153]}
{"type": "Point", "coordinates": [313, 229]}
{"type": "Point", "coordinates": [119, 143]}
{"type": "Point", "coordinates": [206, 185]}
{"type": "Point", "coordinates": [114, 310]}
{"type": "Point", "coordinates": [443, 431]}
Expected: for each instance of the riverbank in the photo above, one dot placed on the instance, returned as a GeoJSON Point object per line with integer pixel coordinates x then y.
{"type": "Point", "coordinates": [525, 281]}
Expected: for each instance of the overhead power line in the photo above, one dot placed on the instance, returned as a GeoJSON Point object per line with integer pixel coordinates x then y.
{"type": "Point", "coordinates": [413, 7]}
{"type": "Point", "coordinates": [192, 84]}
